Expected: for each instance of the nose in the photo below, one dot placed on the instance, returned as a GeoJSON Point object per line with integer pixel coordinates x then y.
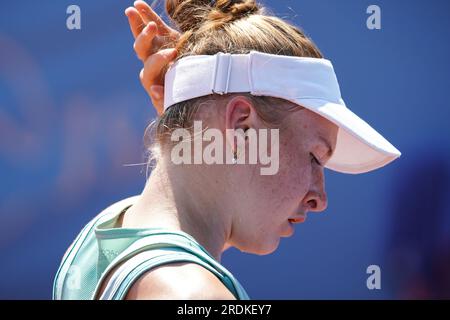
{"type": "Point", "coordinates": [316, 201]}
{"type": "Point", "coordinates": [316, 198]}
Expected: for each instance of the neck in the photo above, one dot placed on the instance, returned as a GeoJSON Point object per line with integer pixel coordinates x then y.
{"type": "Point", "coordinates": [179, 198]}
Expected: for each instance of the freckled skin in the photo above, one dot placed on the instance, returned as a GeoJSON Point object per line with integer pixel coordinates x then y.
{"type": "Point", "coordinates": [234, 205]}
{"type": "Point", "coordinates": [268, 202]}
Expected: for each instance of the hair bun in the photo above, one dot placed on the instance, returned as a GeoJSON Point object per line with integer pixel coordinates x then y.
{"type": "Point", "coordinates": [191, 14]}
{"type": "Point", "coordinates": [236, 8]}
{"type": "Point", "coordinates": [187, 14]}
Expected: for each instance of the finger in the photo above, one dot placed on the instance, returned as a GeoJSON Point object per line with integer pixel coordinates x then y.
{"type": "Point", "coordinates": [135, 21]}
{"type": "Point", "coordinates": [143, 43]}
{"type": "Point", "coordinates": [157, 95]}
{"type": "Point", "coordinates": [154, 65]}
{"type": "Point", "coordinates": [148, 15]}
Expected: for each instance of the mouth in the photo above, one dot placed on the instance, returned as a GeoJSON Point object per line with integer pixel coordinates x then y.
{"type": "Point", "coordinates": [297, 220]}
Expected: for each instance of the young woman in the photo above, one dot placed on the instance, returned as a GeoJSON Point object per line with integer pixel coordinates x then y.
{"type": "Point", "coordinates": [167, 242]}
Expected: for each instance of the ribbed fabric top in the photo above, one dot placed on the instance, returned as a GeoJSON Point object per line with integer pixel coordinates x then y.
{"type": "Point", "coordinates": [100, 246]}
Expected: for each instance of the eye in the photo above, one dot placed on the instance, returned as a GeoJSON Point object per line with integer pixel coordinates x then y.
{"type": "Point", "coordinates": [314, 159]}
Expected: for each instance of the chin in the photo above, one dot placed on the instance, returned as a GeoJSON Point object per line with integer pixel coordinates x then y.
{"type": "Point", "coordinates": [264, 247]}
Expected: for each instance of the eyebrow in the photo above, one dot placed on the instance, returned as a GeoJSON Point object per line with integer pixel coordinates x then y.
{"type": "Point", "coordinates": [328, 144]}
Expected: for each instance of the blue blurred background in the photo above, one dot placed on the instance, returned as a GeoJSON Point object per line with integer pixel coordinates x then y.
{"type": "Point", "coordinates": [73, 114]}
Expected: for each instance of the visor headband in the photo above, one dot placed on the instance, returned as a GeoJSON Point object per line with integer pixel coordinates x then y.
{"type": "Point", "coordinates": [260, 74]}
{"type": "Point", "coordinates": [308, 82]}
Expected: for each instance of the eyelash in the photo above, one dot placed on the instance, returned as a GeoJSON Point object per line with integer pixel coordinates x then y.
{"type": "Point", "coordinates": [313, 158]}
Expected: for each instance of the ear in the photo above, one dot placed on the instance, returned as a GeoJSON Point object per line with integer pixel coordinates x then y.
{"type": "Point", "coordinates": [240, 115]}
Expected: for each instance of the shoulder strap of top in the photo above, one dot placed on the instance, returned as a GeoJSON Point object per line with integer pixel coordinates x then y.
{"type": "Point", "coordinates": [81, 239]}
{"type": "Point", "coordinates": [123, 278]}
{"type": "Point", "coordinates": [174, 247]}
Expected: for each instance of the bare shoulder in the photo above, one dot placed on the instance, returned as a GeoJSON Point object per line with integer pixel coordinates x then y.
{"type": "Point", "coordinates": [179, 281]}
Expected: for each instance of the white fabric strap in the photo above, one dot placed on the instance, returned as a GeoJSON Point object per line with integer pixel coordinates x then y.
{"type": "Point", "coordinates": [284, 77]}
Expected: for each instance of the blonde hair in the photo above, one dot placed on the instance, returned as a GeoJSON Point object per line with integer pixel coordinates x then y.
{"type": "Point", "coordinates": [235, 27]}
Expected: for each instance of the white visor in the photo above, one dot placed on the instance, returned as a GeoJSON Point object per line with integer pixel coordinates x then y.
{"type": "Point", "coordinates": [309, 82]}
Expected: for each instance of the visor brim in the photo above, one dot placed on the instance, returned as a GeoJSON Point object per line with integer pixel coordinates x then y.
{"type": "Point", "coordinates": [359, 147]}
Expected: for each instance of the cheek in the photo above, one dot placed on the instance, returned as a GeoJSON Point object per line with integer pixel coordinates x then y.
{"type": "Point", "coordinates": [291, 183]}
{"type": "Point", "coordinates": [295, 169]}
{"type": "Point", "coordinates": [274, 197]}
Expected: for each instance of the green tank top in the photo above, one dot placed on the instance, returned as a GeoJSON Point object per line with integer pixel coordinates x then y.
{"type": "Point", "coordinates": [100, 247]}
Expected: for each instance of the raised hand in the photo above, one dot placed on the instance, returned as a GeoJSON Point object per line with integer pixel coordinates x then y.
{"type": "Point", "coordinates": [152, 38]}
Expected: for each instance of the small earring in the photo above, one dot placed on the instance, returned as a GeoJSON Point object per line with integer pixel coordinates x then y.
{"type": "Point", "coordinates": [234, 161]}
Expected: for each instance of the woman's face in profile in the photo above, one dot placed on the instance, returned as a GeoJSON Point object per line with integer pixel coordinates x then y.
{"type": "Point", "coordinates": [306, 142]}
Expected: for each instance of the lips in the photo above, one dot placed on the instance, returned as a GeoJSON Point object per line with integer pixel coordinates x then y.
{"type": "Point", "coordinates": [297, 220]}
